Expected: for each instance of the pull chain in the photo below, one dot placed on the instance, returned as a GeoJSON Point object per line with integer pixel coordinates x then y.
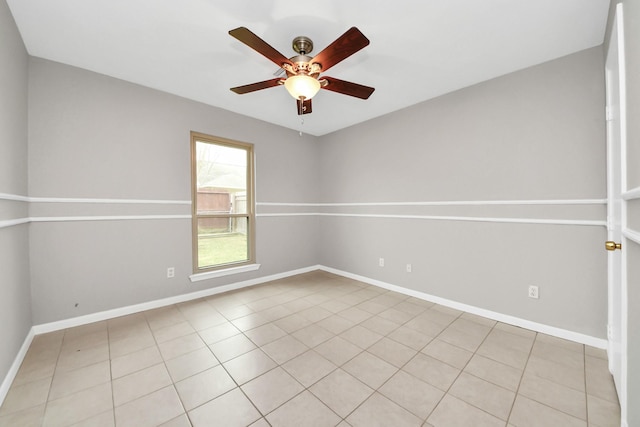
{"type": "Point", "coordinates": [300, 113]}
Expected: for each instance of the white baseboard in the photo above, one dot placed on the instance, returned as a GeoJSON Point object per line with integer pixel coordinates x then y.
{"type": "Point", "coordinates": [515, 321]}
{"type": "Point", "coordinates": [15, 366]}
{"type": "Point", "coordinates": [512, 320]}
{"type": "Point", "coordinates": [136, 308]}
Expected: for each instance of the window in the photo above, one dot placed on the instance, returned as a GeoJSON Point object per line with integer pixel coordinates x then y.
{"type": "Point", "coordinates": [222, 203]}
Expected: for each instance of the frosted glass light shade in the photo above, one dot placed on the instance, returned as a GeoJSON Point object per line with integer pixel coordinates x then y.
{"type": "Point", "coordinates": [302, 86]}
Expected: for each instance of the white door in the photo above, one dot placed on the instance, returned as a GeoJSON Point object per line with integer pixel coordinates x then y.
{"type": "Point", "coordinates": [616, 207]}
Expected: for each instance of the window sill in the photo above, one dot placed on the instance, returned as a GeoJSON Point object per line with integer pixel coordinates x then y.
{"type": "Point", "coordinates": [220, 273]}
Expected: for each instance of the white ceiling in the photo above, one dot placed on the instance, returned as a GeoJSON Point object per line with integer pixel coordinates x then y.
{"type": "Point", "coordinates": [419, 49]}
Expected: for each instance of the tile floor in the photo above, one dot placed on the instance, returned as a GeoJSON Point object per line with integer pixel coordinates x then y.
{"type": "Point", "coordinates": [309, 350]}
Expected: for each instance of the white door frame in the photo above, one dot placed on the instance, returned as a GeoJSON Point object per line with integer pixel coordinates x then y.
{"type": "Point", "coordinates": [616, 208]}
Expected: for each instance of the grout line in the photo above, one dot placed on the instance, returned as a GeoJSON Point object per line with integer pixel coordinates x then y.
{"type": "Point", "coordinates": [557, 383]}
{"type": "Point", "coordinates": [113, 400]}
{"type": "Point", "coordinates": [347, 361]}
{"type": "Point", "coordinates": [164, 363]}
{"type": "Point", "coordinates": [461, 371]}
{"type": "Point", "coordinates": [359, 353]}
{"type": "Point", "coordinates": [55, 370]}
{"type": "Point", "coordinates": [312, 348]}
{"type": "Point", "coordinates": [278, 365]}
{"type": "Point", "coordinates": [586, 397]}
{"type": "Point", "coordinates": [533, 343]}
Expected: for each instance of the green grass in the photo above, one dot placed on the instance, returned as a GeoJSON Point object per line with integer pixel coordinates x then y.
{"type": "Point", "coordinates": [225, 249]}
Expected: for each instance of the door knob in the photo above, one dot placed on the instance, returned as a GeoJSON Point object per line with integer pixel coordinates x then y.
{"type": "Point", "coordinates": [612, 246]}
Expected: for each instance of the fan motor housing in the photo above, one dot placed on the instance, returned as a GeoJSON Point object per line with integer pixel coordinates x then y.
{"type": "Point", "coordinates": [302, 65]}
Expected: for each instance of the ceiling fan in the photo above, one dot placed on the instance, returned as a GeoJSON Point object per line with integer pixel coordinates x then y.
{"type": "Point", "coordinates": [303, 79]}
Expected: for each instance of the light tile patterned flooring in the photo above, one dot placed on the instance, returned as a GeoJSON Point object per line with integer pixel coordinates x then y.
{"type": "Point", "coordinates": [309, 350]}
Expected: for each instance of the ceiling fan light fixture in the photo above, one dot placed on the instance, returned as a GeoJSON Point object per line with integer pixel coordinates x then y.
{"type": "Point", "coordinates": [303, 71]}
{"type": "Point", "coordinates": [302, 86]}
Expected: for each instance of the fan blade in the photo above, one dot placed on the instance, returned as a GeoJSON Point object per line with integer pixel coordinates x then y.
{"type": "Point", "coordinates": [343, 47]}
{"type": "Point", "coordinates": [304, 107]}
{"type": "Point", "coordinates": [257, 86]}
{"type": "Point", "coordinates": [256, 43]}
{"type": "Point", "coordinates": [347, 88]}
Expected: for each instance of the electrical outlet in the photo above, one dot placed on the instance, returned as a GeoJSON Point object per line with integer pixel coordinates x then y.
{"type": "Point", "coordinates": [408, 268]}
{"type": "Point", "coordinates": [533, 292]}
{"type": "Point", "coordinates": [171, 272]}
{"type": "Point", "coordinates": [381, 262]}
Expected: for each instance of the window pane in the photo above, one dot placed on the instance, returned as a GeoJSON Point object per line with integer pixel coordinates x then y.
{"type": "Point", "coordinates": [222, 241]}
{"type": "Point", "coordinates": [221, 174]}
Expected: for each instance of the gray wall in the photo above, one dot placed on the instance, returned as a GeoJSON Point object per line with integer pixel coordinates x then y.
{"type": "Point", "coordinates": [93, 136]}
{"type": "Point", "coordinates": [632, 251]}
{"type": "Point", "coordinates": [537, 134]}
{"type": "Point", "coordinates": [15, 298]}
